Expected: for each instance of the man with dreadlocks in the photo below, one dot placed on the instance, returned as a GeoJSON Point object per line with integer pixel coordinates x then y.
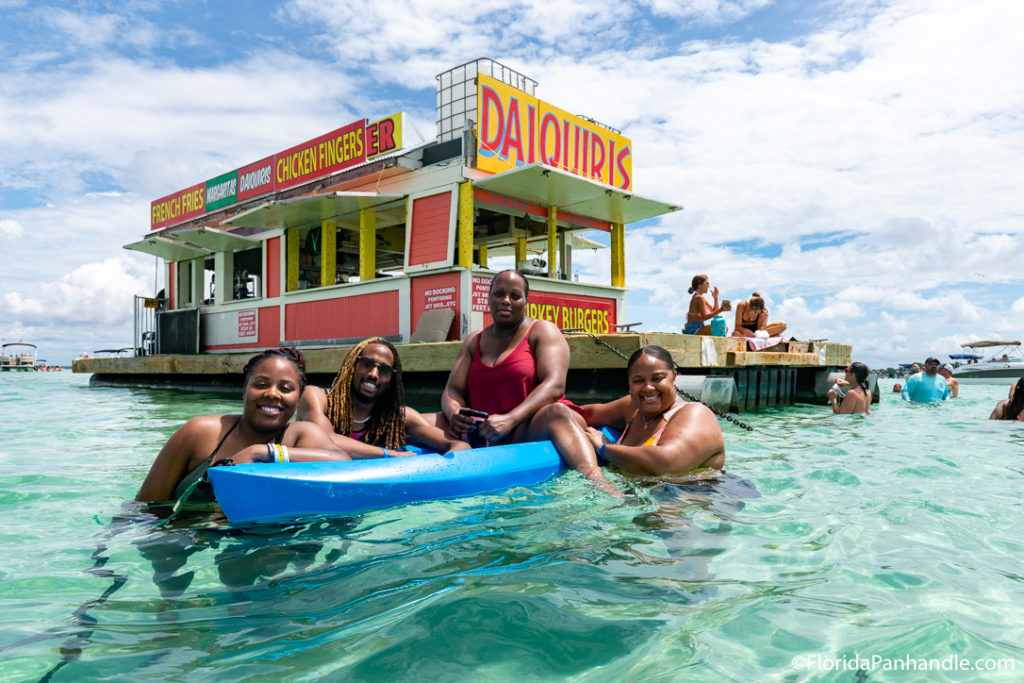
{"type": "Point", "coordinates": [365, 411]}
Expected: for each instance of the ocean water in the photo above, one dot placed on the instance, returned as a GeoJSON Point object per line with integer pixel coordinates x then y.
{"type": "Point", "coordinates": [879, 547]}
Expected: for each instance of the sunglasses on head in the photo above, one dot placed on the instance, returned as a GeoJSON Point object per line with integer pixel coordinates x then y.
{"type": "Point", "coordinates": [367, 364]}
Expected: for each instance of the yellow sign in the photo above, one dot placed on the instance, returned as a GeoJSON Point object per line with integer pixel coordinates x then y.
{"type": "Point", "coordinates": [150, 302]}
{"type": "Point", "coordinates": [515, 129]}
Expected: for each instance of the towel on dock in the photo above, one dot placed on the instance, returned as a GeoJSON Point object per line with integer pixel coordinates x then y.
{"type": "Point", "coordinates": [760, 343]}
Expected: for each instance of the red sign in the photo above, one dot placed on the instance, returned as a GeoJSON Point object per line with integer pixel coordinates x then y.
{"type": "Point", "coordinates": [326, 154]}
{"type": "Point", "coordinates": [572, 311]}
{"type": "Point", "coordinates": [178, 207]}
{"type": "Point", "coordinates": [247, 323]}
{"type": "Point", "coordinates": [256, 178]}
{"type": "Point", "coordinates": [481, 288]}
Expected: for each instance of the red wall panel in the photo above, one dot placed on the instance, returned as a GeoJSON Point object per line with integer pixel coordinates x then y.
{"type": "Point", "coordinates": [367, 315]}
{"type": "Point", "coordinates": [272, 271]}
{"type": "Point", "coordinates": [431, 292]}
{"type": "Point", "coordinates": [431, 218]}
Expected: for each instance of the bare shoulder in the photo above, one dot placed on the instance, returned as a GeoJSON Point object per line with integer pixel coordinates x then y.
{"type": "Point", "coordinates": [546, 331]}
{"type": "Point", "coordinates": [208, 426]}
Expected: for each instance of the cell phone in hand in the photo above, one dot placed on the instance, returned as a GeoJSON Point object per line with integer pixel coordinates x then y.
{"type": "Point", "coordinates": [469, 412]}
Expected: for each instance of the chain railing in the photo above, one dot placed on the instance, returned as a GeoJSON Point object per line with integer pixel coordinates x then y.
{"type": "Point", "coordinates": [725, 416]}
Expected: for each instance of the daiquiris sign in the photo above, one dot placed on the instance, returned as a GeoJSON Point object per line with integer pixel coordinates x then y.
{"type": "Point", "coordinates": [340, 149]}
{"type": "Point", "coordinates": [516, 128]}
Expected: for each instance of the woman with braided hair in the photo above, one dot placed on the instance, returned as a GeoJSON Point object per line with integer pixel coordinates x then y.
{"type": "Point", "coordinates": [365, 412]}
{"type": "Point", "coordinates": [274, 380]}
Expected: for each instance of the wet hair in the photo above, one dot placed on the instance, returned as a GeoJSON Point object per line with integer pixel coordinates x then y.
{"type": "Point", "coordinates": [697, 281]}
{"type": "Point", "coordinates": [756, 301]}
{"type": "Point", "coordinates": [526, 283]}
{"type": "Point", "coordinates": [860, 373]}
{"type": "Point", "coordinates": [1016, 404]}
{"type": "Point", "coordinates": [653, 351]}
{"type": "Point", "coordinates": [386, 426]}
{"type": "Point", "coordinates": [293, 356]}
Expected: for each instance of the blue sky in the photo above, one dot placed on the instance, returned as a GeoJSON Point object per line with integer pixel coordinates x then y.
{"type": "Point", "coordinates": [857, 163]}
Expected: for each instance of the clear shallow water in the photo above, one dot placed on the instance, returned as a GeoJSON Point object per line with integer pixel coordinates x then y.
{"type": "Point", "coordinates": [895, 535]}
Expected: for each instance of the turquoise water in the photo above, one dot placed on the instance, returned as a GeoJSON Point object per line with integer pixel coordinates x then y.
{"type": "Point", "coordinates": [891, 537]}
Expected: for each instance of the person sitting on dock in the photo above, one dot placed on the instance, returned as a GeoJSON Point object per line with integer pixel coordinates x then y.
{"type": "Point", "coordinates": [660, 432]}
{"type": "Point", "coordinates": [700, 310]}
{"type": "Point", "coordinates": [365, 412]}
{"type": "Point", "coordinates": [273, 382]}
{"type": "Point", "coordinates": [1011, 408]}
{"type": "Point", "coordinates": [928, 386]}
{"type": "Point", "coordinates": [851, 394]}
{"type": "Point", "coordinates": [512, 373]}
{"type": "Point", "coordinates": [954, 384]}
{"type": "Point", "coordinates": [752, 316]}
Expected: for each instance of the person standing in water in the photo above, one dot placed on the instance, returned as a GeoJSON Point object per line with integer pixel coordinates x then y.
{"type": "Point", "coordinates": [927, 386]}
{"type": "Point", "coordinates": [954, 384]}
{"type": "Point", "coordinates": [852, 393]}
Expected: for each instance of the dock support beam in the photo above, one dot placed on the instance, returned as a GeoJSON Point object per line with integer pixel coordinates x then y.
{"type": "Point", "coordinates": [367, 244]}
{"type": "Point", "coordinates": [618, 244]}
{"type": "Point", "coordinates": [552, 241]}
{"type": "Point", "coordinates": [466, 225]}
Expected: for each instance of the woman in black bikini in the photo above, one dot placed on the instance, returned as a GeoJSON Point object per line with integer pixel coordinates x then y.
{"type": "Point", "coordinates": [274, 381]}
{"type": "Point", "coordinates": [752, 316]}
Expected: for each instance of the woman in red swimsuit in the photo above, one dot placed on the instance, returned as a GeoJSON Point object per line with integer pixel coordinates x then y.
{"type": "Point", "coordinates": [514, 371]}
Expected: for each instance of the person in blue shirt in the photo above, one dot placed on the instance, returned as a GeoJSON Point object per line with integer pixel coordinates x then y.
{"type": "Point", "coordinates": [927, 386]}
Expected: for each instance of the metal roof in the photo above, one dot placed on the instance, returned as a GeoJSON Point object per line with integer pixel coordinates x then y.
{"type": "Point", "coordinates": [298, 211]}
{"type": "Point", "coordinates": [167, 249]}
{"type": "Point", "coordinates": [212, 238]}
{"type": "Point", "coordinates": [550, 186]}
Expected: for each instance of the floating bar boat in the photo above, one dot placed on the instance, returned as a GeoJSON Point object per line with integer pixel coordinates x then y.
{"type": "Point", "coordinates": [366, 231]}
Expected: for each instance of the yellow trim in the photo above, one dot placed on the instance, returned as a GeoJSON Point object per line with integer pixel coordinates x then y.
{"type": "Point", "coordinates": [618, 244]}
{"type": "Point", "coordinates": [292, 259]}
{"type": "Point", "coordinates": [328, 252]}
{"type": "Point", "coordinates": [367, 244]}
{"type": "Point", "coordinates": [552, 241]}
{"type": "Point", "coordinates": [465, 225]}
{"type": "Point", "coordinates": [483, 255]}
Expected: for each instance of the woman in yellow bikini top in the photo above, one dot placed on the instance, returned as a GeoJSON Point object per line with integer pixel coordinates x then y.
{"type": "Point", "coordinates": [661, 434]}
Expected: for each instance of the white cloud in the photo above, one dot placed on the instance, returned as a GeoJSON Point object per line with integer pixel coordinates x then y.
{"type": "Point", "coordinates": [11, 229]}
{"type": "Point", "coordinates": [92, 294]}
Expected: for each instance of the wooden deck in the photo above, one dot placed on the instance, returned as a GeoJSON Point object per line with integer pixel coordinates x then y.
{"type": "Point", "coordinates": [791, 371]}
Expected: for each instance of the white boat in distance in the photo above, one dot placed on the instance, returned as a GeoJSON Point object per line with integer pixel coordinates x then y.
{"type": "Point", "coordinates": [1002, 362]}
{"type": "Point", "coordinates": [14, 358]}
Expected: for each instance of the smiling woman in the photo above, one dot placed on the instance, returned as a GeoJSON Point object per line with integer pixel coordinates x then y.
{"type": "Point", "coordinates": [660, 433]}
{"type": "Point", "coordinates": [274, 380]}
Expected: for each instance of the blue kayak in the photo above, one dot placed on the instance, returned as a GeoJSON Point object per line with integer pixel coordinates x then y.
{"type": "Point", "coordinates": [269, 491]}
